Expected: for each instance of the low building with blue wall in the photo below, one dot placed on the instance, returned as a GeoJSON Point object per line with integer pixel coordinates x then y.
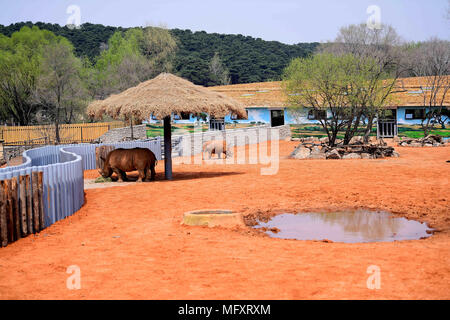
{"type": "Point", "coordinates": [265, 103]}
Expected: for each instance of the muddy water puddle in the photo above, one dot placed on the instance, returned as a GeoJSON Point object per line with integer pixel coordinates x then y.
{"type": "Point", "coordinates": [347, 226]}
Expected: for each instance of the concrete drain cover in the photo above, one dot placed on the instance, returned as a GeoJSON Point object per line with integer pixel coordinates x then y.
{"type": "Point", "coordinates": [213, 218]}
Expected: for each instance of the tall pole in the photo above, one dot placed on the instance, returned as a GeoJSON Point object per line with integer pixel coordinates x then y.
{"type": "Point", "coordinates": [131, 127]}
{"type": "Point", "coordinates": [167, 148]}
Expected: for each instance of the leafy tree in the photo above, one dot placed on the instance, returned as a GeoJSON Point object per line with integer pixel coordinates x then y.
{"type": "Point", "coordinates": [247, 59]}
{"type": "Point", "coordinates": [159, 47]}
{"type": "Point", "coordinates": [320, 83]}
{"type": "Point", "coordinates": [59, 89]}
{"type": "Point", "coordinates": [130, 58]}
{"type": "Point", "coordinates": [339, 87]}
{"type": "Point", "coordinates": [20, 59]}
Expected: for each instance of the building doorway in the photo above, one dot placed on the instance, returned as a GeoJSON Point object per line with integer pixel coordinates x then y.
{"type": "Point", "coordinates": [387, 124]}
{"type": "Point", "coordinates": [276, 118]}
{"type": "Point", "coordinates": [217, 124]}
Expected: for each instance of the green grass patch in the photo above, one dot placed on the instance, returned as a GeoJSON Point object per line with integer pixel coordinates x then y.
{"type": "Point", "coordinates": [102, 180]}
{"type": "Point", "coordinates": [308, 130]}
{"type": "Point", "coordinates": [419, 134]}
{"type": "Point", "coordinates": [157, 130]}
{"type": "Point", "coordinates": [415, 131]}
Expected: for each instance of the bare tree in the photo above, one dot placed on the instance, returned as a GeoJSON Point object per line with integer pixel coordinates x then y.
{"type": "Point", "coordinates": [218, 71]}
{"type": "Point", "coordinates": [431, 60]}
{"type": "Point", "coordinates": [447, 14]}
{"type": "Point", "coordinates": [132, 70]}
{"type": "Point", "coordinates": [381, 50]}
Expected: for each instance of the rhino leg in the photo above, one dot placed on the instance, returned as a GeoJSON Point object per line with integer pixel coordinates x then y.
{"type": "Point", "coordinates": [121, 175]}
{"type": "Point", "coordinates": [150, 172]}
{"type": "Point", "coordinates": [153, 173]}
{"type": "Point", "coordinates": [219, 152]}
{"type": "Point", "coordinates": [141, 174]}
{"type": "Point", "coordinates": [124, 175]}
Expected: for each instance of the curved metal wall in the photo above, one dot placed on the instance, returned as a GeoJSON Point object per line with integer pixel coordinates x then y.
{"type": "Point", "coordinates": [62, 168]}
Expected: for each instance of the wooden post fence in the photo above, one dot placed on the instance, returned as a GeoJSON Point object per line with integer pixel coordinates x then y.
{"type": "Point", "coordinates": [45, 134]}
{"type": "Point", "coordinates": [21, 207]}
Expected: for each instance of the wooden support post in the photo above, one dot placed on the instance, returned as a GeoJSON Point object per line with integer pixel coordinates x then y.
{"type": "Point", "coordinates": [29, 204]}
{"type": "Point", "coordinates": [167, 148]}
{"type": "Point", "coordinates": [131, 126]}
{"type": "Point", "coordinates": [3, 220]}
{"type": "Point", "coordinates": [23, 206]}
{"type": "Point", "coordinates": [41, 200]}
{"type": "Point", "coordinates": [9, 212]}
{"type": "Point", "coordinates": [36, 220]}
{"type": "Point", "coordinates": [15, 208]}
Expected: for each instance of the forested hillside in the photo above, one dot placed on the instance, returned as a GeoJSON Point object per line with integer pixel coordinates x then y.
{"type": "Point", "coordinates": [247, 59]}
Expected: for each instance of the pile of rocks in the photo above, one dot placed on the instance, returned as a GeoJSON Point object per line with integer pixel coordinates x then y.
{"type": "Point", "coordinates": [428, 141]}
{"type": "Point", "coordinates": [355, 139]}
{"type": "Point", "coordinates": [357, 150]}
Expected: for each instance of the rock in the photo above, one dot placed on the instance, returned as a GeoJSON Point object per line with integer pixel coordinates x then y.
{"type": "Point", "coordinates": [315, 149]}
{"type": "Point", "coordinates": [428, 141]}
{"type": "Point", "coordinates": [333, 154]}
{"type": "Point", "coordinates": [309, 139]}
{"type": "Point", "coordinates": [434, 137]}
{"type": "Point", "coordinates": [317, 156]}
{"type": "Point", "coordinates": [395, 154]}
{"type": "Point", "coordinates": [357, 140]}
{"type": "Point", "coordinates": [324, 140]}
{"type": "Point", "coordinates": [356, 150]}
{"type": "Point", "coordinates": [341, 151]}
{"type": "Point", "coordinates": [300, 153]}
{"type": "Point", "coordinates": [351, 156]}
{"type": "Point", "coordinates": [414, 144]}
{"type": "Point", "coordinates": [295, 139]}
{"type": "Point", "coordinates": [366, 156]}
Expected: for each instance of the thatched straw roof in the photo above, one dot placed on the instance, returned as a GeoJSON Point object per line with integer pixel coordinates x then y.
{"type": "Point", "coordinates": [407, 92]}
{"type": "Point", "coordinates": [164, 95]}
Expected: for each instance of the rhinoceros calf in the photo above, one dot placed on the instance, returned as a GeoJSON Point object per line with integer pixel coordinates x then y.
{"type": "Point", "coordinates": [124, 160]}
{"type": "Point", "coordinates": [216, 147]}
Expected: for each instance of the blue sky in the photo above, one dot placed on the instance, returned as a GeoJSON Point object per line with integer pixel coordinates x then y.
{"type": "Point", "coordinates": [288, 21]}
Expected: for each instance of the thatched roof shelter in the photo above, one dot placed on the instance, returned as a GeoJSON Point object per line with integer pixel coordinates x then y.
{"type": "Point", "coordinates": [165, 95]}
{"type": "Point", "coordinates": [161, 97]}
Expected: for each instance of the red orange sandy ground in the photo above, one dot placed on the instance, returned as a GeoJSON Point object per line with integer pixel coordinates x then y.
{"type": "Point", "coordinates": [129, 243]}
